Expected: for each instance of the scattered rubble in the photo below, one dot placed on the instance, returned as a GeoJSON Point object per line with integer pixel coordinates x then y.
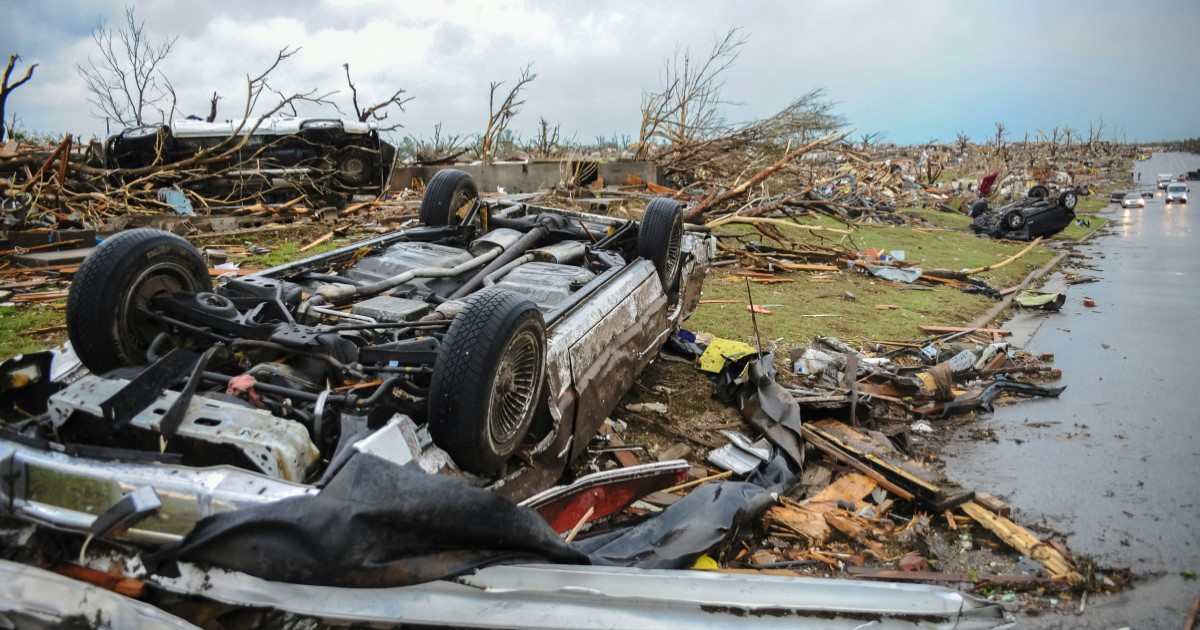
{"type": "Point", "coordinates": [821, 465]}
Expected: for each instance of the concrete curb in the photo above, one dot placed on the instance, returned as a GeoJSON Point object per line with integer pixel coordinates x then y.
{"type": "Point", "coordinates": [983, 320]}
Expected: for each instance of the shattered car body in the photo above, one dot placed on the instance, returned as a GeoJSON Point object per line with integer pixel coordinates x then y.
{"type": "Point", "coordinates": [1037, 215]}
{"type": "Point", "coordinates": [490, 343]}
{"type": "Point", "coordinates": [349, 155]}
{"type": "Point", "coordinates": [526, 597]}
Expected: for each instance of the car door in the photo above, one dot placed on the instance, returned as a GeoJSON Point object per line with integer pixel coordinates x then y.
{"type": "Point", "coordinates": [608, 339]}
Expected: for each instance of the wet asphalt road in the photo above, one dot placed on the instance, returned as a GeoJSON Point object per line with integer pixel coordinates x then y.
{"type": "Point", "coordinates": [1115, 462]}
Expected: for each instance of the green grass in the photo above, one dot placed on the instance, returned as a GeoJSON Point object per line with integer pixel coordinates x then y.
{"type": "Point", "coordinates": [940, 218]}
{"type": "Point", "coordinates": [1086, 209]}
{"type": "Point", "coordinates": [1075, 232]}
{"type": "Point", "coordinates": [790, 302]}
{"type": "Point", "coordinates": [16, 322]}
{"type": "Point", "coordinates": [288, 251]}
{"type": "Point", "coordinates": [1092, 203]}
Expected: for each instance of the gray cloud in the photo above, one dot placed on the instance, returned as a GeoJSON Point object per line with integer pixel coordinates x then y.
{"type": "Point", "coordinates": [915, 69]}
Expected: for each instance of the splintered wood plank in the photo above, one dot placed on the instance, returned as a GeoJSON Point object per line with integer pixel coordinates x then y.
{"type": "Point", "coordinates": [918, 478]}
{"type": "Point", "coordinates": [321, 239]}
{"type": "Point", "coordinates": [1020, 539]}
{"type": "Point", "coordinates": [810, 526]}
{"type": "Point", "coordinates": [850, 488]}
{"type": "Point", "coordinates": [842, 456]}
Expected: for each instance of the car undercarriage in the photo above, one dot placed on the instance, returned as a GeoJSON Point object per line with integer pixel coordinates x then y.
{"type": "Point", "coordinates": [488, 342]}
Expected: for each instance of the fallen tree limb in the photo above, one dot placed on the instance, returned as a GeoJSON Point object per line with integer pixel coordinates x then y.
{"type": "Point", "coordinates": [709, 202]}
{"type": "Point", "coordinates": [1010, 259]}
{"type": "Point", "coordinates": [733, 218]}
{"type": "Point", "coordinates": [963, 274]}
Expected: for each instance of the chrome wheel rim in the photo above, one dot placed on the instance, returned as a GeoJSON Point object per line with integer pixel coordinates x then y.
{"type": "Point", "coordinates": [515, 387]}
{"type": "Point", "coordinates": [674, 249]}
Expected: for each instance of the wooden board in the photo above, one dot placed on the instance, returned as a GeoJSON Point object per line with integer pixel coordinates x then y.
{"type": "Point", "coordinates": [1020, 539]}
{"type": "Point", "coordinates": [850, 488]}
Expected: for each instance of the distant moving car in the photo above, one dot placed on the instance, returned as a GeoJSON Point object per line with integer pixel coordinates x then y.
{"type": "Point", "coordinates": [1177, 193]}
{"type": "Point", "coordinates": [1164, 179]}
{"type": "Point", "coordinates": [1039, 214]}
{"type": "Point", "coordinates": [1133, 200]}
{"type": "Point", "coordinates": [1117, 196]}
{"type": "Point", "coordinates": [1148, 192]}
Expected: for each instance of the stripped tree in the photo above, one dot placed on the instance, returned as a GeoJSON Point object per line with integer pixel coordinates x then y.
{"type": "Point", "coordinates": [499, 116]}
{"type": "Point", "coordinates": [6, 88]}
{"type": "Point", "coordinates": [687, 106]}
{"type": "Point", "coordinates": [376, 111]}
{"type": "Point", "coordinates": [125, 83]}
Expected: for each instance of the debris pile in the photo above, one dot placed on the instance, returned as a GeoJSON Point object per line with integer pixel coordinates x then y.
{"type": "Point", "coordinates": [952, 372]}
{"type": "Point", "coordinates": [864, 498]}
{"type": "Point", "coordinates": [73, 186]}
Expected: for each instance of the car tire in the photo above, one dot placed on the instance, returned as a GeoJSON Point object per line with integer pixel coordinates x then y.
{"type": "Point", "coordinates": [447, 192]}
{"type": "Point", "coordinates": [1068, 200]}
{"type": "Point", "coordinates": [487, 380]}
{"type": "Point", "coordinates": [355, 166]}
{"type": "Point", "coordinates": [140, 146]}
{"type": "Point", "coordinates": [660, 239]}
{"type": "Point", "coordinates": [123, 273]}
{"type": "Point", "coordinates": [1014, 220]}
{"type": "Point", "coordinates": [979, 207]}
{"type": "Point", "coordinates": [1039, 192]}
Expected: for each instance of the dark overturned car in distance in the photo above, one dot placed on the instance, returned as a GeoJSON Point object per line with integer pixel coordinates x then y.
{"type": "Point", "coordinates": [346, 155]}
{"type": "Point", "coordinates": [489, 342]}
{"type": "Point", "coordinates": [1037, 215]}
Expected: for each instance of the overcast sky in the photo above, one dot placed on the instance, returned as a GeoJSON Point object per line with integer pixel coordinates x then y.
{"type": "Point", "coordinates": [912, 69]}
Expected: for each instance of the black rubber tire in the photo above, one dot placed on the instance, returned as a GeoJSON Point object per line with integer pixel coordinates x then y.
{"type": "Point", "coordinates": [1039, 192]}
{"type": "Point", "coordinates": [1068, 200]}
{"type": "Point", "coordinates": [979, 207]}
{"type": "Point", "coordinates": [102, 321]}
{"type": "Point", "coordinates": [447, 192]}
{"type": "Point", "coordinates": [660, 238]}
{"type": "Point", "coordinates": [355, 166]}
{"type": "Point", "coordinates": [496, 325]}
{"type": "Point", "coordinates": [1014, 220]}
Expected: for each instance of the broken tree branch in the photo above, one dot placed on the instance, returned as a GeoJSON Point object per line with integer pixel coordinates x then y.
{"type": "Point", "coordinates": [709, 202]}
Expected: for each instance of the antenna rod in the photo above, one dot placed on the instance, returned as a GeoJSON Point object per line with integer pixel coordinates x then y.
{"type": "Point", "coordinates": [753, 317]}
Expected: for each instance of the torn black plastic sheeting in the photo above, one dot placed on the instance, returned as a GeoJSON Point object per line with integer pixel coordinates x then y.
{"type": "Point", "coordinates": [375, 524]}
{"type": "Point", "coordinates": [984, 399]}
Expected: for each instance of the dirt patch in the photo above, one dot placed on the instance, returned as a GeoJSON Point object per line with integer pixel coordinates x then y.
{"type": "Point", "coordinates": [693, 416]}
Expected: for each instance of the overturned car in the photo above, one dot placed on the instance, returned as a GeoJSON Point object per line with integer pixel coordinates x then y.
{"type": "Point", "coordinates": [490, 341]}
{"type": "Point", "coordinates": [1037, 215]}
{"type": "Point", "coordinates": [244, 157]}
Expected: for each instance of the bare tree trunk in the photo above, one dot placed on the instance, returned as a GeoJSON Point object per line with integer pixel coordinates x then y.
{"type": "Point", "coordinates": [6, 88]}
{"type": "Point", "coordinates": [374, 112]}
{"type": "Point", "coordinates": [499, 117]}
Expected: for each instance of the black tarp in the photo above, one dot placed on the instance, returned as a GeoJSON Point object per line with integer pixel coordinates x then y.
{"type": "Point", "coordinates": [378, 524]}
{"type": "Point", "coordinates": [375, 524]}
{"type": "Point", "coordinates": [688, 528]}
{"type": "Point", "coordinates": [749, 384]}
